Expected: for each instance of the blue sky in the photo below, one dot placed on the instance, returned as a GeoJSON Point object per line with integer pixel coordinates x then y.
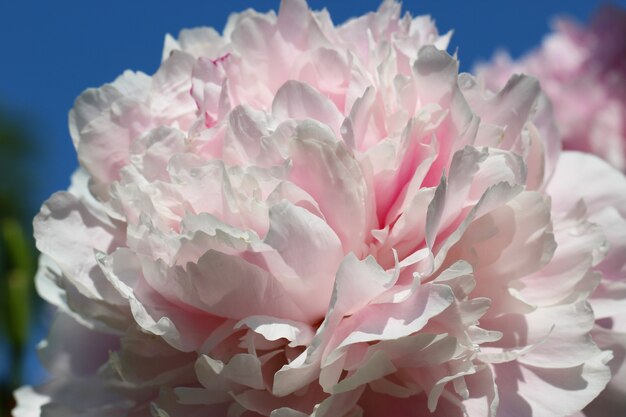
{"type": "Point", "coordinates": [52, 50]}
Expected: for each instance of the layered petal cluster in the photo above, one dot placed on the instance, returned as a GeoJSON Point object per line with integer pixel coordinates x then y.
{"type": "Point", "coordinates": [583, 71]}
{"type": "Point", "coordinates": [299, 219]}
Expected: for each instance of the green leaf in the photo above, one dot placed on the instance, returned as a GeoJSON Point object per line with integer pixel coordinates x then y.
{"type": "Point", "coordinates": [18, 277]}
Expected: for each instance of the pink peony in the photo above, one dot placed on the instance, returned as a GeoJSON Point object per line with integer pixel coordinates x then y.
{"type": "Point", "coordinates": [583, 72]}
{"type": "Point", "coordinates": [295, 219]}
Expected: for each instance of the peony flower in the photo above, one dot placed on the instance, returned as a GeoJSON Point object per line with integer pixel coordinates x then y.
{"type": "Point", "coordinates": [300, 219]}
{"type": "Point", "coordinates": [583, 72]}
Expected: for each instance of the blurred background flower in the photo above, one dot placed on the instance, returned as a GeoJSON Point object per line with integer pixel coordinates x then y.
{"type": "Point", "coordinates": [582, 69]}
{"type": "Point", "coordinates": [54, 50]}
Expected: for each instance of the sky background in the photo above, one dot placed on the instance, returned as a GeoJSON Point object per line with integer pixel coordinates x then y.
{"type": "Point", "coordinates": [52, 50]}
